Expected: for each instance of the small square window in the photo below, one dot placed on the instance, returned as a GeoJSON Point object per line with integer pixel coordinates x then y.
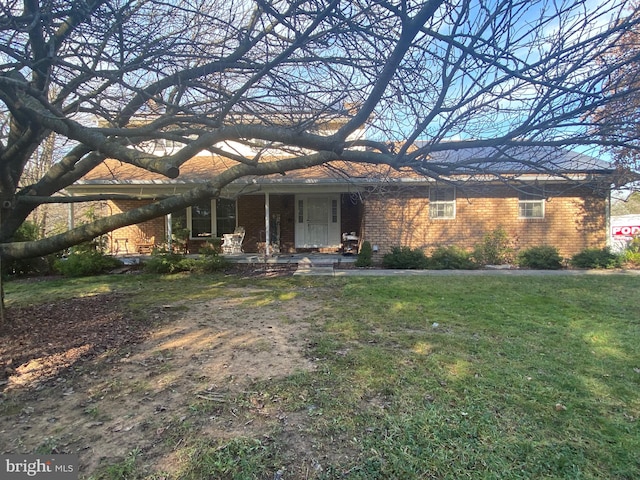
{"type": "Point", "coordinates": [531, 203]}
{"type": "Point", "coordinates": [442, 203]}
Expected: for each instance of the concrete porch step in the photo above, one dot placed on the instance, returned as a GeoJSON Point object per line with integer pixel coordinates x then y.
{"type": "Point", "coordinates": [314, 266]}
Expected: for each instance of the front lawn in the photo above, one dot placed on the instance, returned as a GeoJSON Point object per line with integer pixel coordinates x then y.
{"type": "Point", "coordinates": [406, 378]}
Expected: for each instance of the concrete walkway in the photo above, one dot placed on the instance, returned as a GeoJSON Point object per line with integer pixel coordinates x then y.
{"type": "Point", "coordinates": [372, 272]}
{"type": "Point", "coordinates": [336, 265]}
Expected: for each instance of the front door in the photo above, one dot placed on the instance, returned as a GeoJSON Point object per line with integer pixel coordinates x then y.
{"type": "Point", "coordinates": [317, 221]}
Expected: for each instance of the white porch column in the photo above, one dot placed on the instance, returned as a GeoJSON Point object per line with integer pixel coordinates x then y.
{"type": "Point", "coordinates": [267, 226]}
{"type": "Point", "coordinates": [169, 233]}
{"type": "Point", "coordinates": [70, 217]}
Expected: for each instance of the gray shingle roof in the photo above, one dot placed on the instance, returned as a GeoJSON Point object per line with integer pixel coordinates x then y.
{"type": "Point", "coordinates": [520, 160]}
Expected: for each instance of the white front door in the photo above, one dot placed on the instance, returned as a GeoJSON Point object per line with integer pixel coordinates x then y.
{"type": "Point", "coordinates": [317, 221]}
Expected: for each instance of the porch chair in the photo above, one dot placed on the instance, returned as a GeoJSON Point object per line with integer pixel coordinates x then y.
{"type": "Point", "coordinates": [145, 244]}
{"type": "Point", "coordinates": [232, 242]}
{"type": "Point", "coordinates": [120, 245]}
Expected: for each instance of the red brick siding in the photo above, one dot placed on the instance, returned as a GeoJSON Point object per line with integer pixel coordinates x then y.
{"type": "Point", "coordinates": [154, 228]}
{"type": "Point", "coordinates": [251, 217]}
{"type": "Point", "coordinates": [571, 222]}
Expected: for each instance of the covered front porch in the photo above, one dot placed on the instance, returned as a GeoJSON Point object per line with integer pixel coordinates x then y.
{"type": "Point", "coordinates": [293, 223]}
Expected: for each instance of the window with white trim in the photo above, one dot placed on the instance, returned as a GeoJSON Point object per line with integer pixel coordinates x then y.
{"type": "Point", "coordinates": [201, 220]}
{"type": "Point", "coordinates": [225, 216]}
{"type": "Point", "coordinates": [442, 203]}
{"type": "Point", "coordinates": [531, 203]}
{"type": "Point", "coordinates": [209, 218]}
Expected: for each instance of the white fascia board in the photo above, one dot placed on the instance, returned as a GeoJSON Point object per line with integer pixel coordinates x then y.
{"type": "Point", "coordinates": [305, 185]}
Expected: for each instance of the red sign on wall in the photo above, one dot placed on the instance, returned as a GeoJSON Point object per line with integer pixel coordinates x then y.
{"type": "Point", "coordinates": [626, 231]}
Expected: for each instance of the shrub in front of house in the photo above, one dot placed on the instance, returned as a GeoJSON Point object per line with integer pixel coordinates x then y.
{"type": "Point", "coordinates": [212, 247]}
{"type": "Point", "coordinates": [162, 261]}
{"type": "Point", "coordinates": [631, 259]}
{"type": "Point", "coordinates": [495, 249]}
{"type": "Point", "coordinates": [84, 263]}
{"type": "Point", "coordinates": [405, 258]}
{"type": "Point", "coordinates": [596, 258]}
{"type": "Point", "coordinates": [211, 260]}
{"type": "Point", "coordinates": [211, 264]}
{"type": "Point", "coordinates": [452, 257]}
{"type": "Point", "coordinates": [28, 231]}
{"type": "Point", "coordinates": [631, 254]}
{"type": "Point", "coordinates": [543, 257]}
{"type": "Point", "coordinates": [365, 255]}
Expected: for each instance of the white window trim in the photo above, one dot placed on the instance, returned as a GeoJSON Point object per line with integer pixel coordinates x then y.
{"type": "Point", "coordinates": [531, 202]}
{"type": "Point", "coordinates": [433, 203]}
{"type": "Point", "coordinates": [537, 201]}
{"type": "Point", "coordinates": [214, 221]}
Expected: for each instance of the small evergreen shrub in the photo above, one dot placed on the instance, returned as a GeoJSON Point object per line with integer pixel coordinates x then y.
{"type": "Point", "coordinates": [365, 255]}
{"type": "Point", "coordinates": [28, 231]}
{"type": "Point", "coordinates": [162, 262]}
{"type": "Point", "coordinates": [543, 257]}
{"type": "Point", "coordinates": [211, 260]}
{"type": "Point", "coordinates": [84, 263]}
{"type": "Point", "coordinates": [405, 258]}
{"type": "Point", "coordinates": [211, 264]}
{"type": "Point", "coordinates": [444, 258]}
{"type": "Point", "coordinates": [631, 254]}
{"type": "Point", "coordinates": [212, 247]}
{"type": "Point", "coordinates": [180, 236]}
{"type": "Point", "coordinates": [631, 259]}
{"type": "Point", "coordinates": [495, 249]}
{"type": "Point", "coordinates": [596, 258]}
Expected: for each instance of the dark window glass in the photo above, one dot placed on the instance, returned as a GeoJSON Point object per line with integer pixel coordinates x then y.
{"type": "Point", "coordinates": [225, 216]}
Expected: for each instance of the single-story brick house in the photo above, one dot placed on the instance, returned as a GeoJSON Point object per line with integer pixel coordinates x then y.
{"type": "Point", "coordinates": [564, 204]}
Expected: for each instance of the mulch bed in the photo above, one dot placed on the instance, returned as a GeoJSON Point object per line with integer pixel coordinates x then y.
{"type": "Point", "coordinates": [40, 341]}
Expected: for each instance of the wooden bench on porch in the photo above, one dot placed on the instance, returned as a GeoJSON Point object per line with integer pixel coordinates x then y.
{"type": "Point", "coordinates": [145, 245]}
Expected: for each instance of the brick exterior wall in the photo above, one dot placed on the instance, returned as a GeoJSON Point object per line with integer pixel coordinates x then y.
{"type": "Point", "coordinates": [133, 237]}
{"type": "Point", "coordinates": [572, 221]}
{"type": "Point", "coordinates": [251, 217]}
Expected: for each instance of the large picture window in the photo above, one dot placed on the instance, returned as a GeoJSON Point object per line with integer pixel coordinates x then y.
{"type": "Point", "coordinates": [210, 218]}
{"type": "Point", "coordinates": [225, 216]}
{"type": "Point", "coordinates": [201, 220]}
{"type": "Point", "coordinates": [531, 203]}
{"type": "Point", "coordinates": [442, 203]}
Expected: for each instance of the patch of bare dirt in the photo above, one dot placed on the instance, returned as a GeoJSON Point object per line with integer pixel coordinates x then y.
{"type": "Point", "coordinates": [40, 341]}
{"type": "Point", "coordinates": [80, 376]}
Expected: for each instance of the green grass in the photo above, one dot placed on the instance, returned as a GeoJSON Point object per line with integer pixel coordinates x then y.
{"type": "Point", "coordinates": [432, 377]}
{"type": "Point", "coordinates": [476, 395]}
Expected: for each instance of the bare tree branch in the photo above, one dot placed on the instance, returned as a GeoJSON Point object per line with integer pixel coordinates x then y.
{"type": "Point", "coordinates": [241, 79]}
